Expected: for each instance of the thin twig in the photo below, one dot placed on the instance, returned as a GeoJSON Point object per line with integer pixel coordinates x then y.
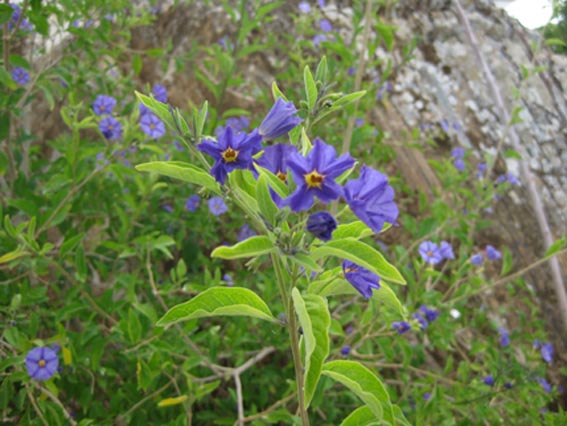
{"type": "Point", "coordinates": [270, 408]}
{"type": "Point", "coordinates": [52, 397]}
{"type": "Point", "coordinates": [146, 398]}
{"type": "Point", "coordinates": [239, 401]}
{"type": "Point", "coordinates": [347, 138]}
{"type": "Point", "coordinates": [35, 406]}
{"type": "Point", "coordinates": [509, 278]}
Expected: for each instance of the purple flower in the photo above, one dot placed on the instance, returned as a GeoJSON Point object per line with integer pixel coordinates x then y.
{"type": "Point", "coordinates": [544, 384]}
{"type": "Point", "coordinates": [24, 23]}
{"type": "Point", "coordinates": [444, 125]}
{"type": "Point", "coordinates": [430, 252]}
{"type": "Point", "coordinates": [361, 278]}
{"type": "Point", "coordinates": [217, 206]}
{"type": "Point", "coordinates": [238, 123]}
{"type": "Point", "coordinates": [304, 7]}
{"type": "Point", "coordinates": [359, 122]}
{"type": "Point", "coordinates": [547, 352]}
{"type": "Point", "coordinates": [321, 3]}
{"type": "Point", "coordinates": [228, 279]}
{"type": "Point", "coordinates": [144, 110]}
{"type": "Point", "coordinates": [446, 250]}
{"type": "Point", "coordinates": [104, 104]}
{"type": "Point", "coordinates": [280, 120]}
{"type": "Point", "coordinates": [325, 25]}
{"type": "Point", "coordinates": [274, 159]}
{"type": "Point", "coordinates": [41, 363]}
{"type": "Point", "coordinates": [111, 128]}
{"type": "Point", "coordinates": [178, 146]}
{"type": "Point", "coordinates": [318, 39]}
{"type": "Point", "coordinates": [401, 326]}
{"type": "Point", "coordinates": [458, 152]}
{"type": "Point", "coordinates": [422, 321]}
{"type": "Point", "coordinates": [167, 208]}
{"type": "Point", "coordinates": [245, 232]}
{"type": "Point", "coordinates": [345, 350]}
{"type": "Point", "coordinates": [536, 344]}
{"type": "Point", "coordinates": [351, 71]}
{"type": "Point", "coordinates": [477, 259]}
{"type": "Point", "coordinates": [459, 165]}
{"type": "Point", "coordinates": [231, 152]}
{"type": "Point", "coordinates": [152, 126]}
{"type": "Point", "coordinates": [504, 337]}
{"type": "Point", "coordinates": [427, 396]}
{"type": "Point", "coordinates": [508, 385]}
{"type": "Point", "coordinates": [193, 203]}
{"type": "Point", "coordinates": [371, 199]}
{"type": "Point", "coordinates": [430, 314]}
{"type": "Point", "coordinates": [488, 380]}
{"type": "Point", "coordinates": [20, 75]}
{"type": "Point", "coordinates": [321, 225]}
{"type": "Point", "coordinates": [160, 93]}
{"type": "Point", "coordinates": [315, 175]}
{"type": "Point", "coordinates": [508, 177]}
{"type": "Point", "coordinates": [226, 43]}
{"type": "Point", "coordinates": [492, 253]}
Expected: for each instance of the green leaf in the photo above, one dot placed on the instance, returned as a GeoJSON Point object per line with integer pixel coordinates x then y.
{"type": "Point", "coordinates": [69, 244]}
{"type": "Point", "coordinates": [365, 384]}
{"type": "Point", "coordinates": [357, 230]}
{"type": "Point", "coordinates": [4, 125]}
{"type": "Point", "coordinates": [158, 108]}
{"type": "Point", "coordinates": [8, 257]}
{"type": "Point", "coordinates": [6, 79]}
{"type": "Point", "coordinates": [556, 247]}
{"type": "Point", "coordinates": [81, 264]}
{"type": "Point", "coordinates": [134, 326]}
{"type": "Point", "coordinates": [362, 254]}
{"type": "Point", "coordinates": [137, 64]}
{"type": "Point", "coordinates": [265, 203]}
{"type": "Point", "coordinates": [275, 182]}
{"type": "Point", "coordinates": [387, 33]}
{"type": "Point", "coordinates": [362, 416]}
{"type": "Point", "coordinates": [182, 171]}
{"type": "Point", "coordinates": [219, 301]}
{"type": "Point", "coordinates": [277, 93]}
{"type": "Point", "coordinates": [310, 88]}
{"type": "Point", "coordinates": [305, 260]}
{"type": "Point", "coordinates": [5, 13]}
{"type": "Point", "coordinates": [322, 70]}
{"type": "Point", "coordinates": [315, 320]}
{"type": "Point", "coordinates": [387, 296]}
{"type": "Point", "coordinates": [251, 247]}
{"type": "Point", "coordinates": [347, 99]}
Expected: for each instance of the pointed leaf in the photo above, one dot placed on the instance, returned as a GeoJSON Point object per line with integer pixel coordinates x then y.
{"type": "Point", "coordinates": [251, 247]}
{"type": "Point", "coordinates": [315, 320]}
{"type": "Point", "coordinates": [265, 203]}
{"type": "Point", "coordinates": [219, 301]}
{"type": "Point", "coordinates": [310, 88]}
{"type": "Point", "coordinates": [182, 171]}
{"type": "Point", "coordinates": [365, 384]}
{"type": "Point", "coordinates": [357, 230]}
{"type": "Point", "coordinates": [362, 416]}
{"type": "Point", "coordinates": [362, 254]}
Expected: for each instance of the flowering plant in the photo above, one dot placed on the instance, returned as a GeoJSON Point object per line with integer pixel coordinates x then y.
{"type": "Point", "coordinates": [285, 184]}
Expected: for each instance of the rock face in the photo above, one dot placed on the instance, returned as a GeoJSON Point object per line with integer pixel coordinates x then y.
{"type": "Point", "coordinates": [444, 82]}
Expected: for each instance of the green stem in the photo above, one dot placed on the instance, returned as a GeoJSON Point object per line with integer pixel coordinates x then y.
{"type": "Point", "coordinates": [293, 338]}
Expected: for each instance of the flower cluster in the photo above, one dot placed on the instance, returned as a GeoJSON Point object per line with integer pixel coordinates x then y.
{"type": "Point", "coordinates": [491, 254]}
{"type": "Point", "coordinates": [423, 317]}
{"type": "Point", "coordinates": [458, 154]}
{"type": "Point", "coordinates": [311, 176]}
{"type": "Point", "coordinates": [433, 254]}
{"type": "Point", "coordinates": [25, 24]}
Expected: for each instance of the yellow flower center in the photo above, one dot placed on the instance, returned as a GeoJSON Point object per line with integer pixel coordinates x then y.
{"type": "Point", "coordinates": [152, 126]}
{"type": "Point", "coordinates": [102, 107]}
{"type": "Point", "coordinates": [314, 179]}
{"type": "Point", "coordinates": [230, 155]}
{"type": "Point", "coordinates": [282, 176]}
{"type": "Point", "coordinates": [429, 253]}
{"type": "Point", "coordinates": [41, 363]}
{"type": "Point", "coordinates": [351, 269]}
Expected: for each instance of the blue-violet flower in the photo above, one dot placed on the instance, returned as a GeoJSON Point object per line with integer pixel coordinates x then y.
{"type": "Point", "coordinates": [321, 225]}
{"type": "Point", "coordinates": [361, 278]}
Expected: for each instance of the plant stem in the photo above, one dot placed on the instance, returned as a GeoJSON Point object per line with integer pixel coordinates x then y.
{"type": "Point", "coordinates": [293, 337]}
